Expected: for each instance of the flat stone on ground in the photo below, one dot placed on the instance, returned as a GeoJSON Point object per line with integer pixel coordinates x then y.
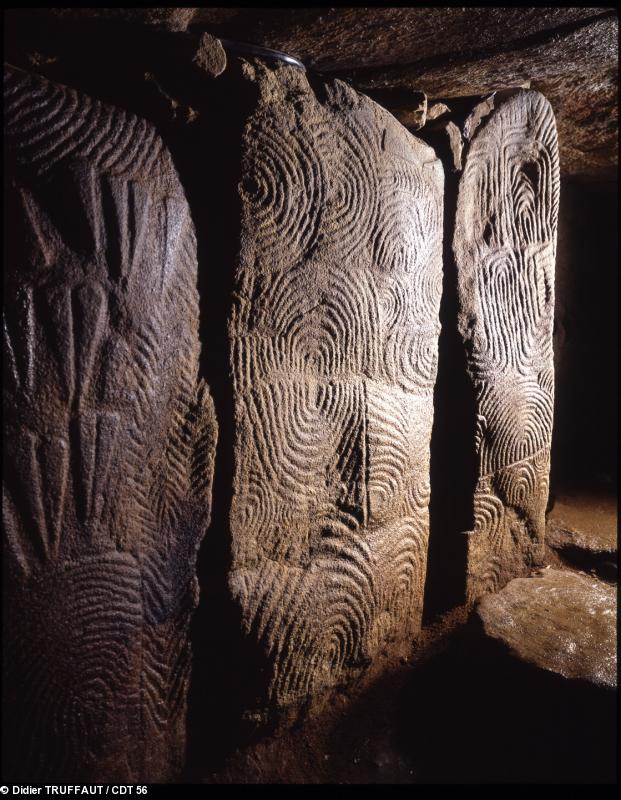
{"type": "Point", "coordinates": [564, 622]}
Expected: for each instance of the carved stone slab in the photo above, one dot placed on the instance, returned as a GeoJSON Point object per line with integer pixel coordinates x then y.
{"type": "Point", "coordinates": [504, 246]}
{"type": "Point", "coordinates": [333, 339]}
{"type": "Point", "coordinates": [109, 442]}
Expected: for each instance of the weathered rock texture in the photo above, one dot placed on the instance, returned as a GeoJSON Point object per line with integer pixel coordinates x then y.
{"type": "Point", "coordinates": [568, 54]}
{"type": "Point", "coordinates": [333, 339]}
{"type": "Point", "coordinates": [571, 56]}
{"type": "Point", "coordinates": [504, 246]}
{"type": "Point", "coordinates": [563, 622]}
{"type": "Point", "coordinates": [109, 442]}
{"type": "Point", "coordinates": [581, 532]}
{"type": "Point", "coordinates": [563, 537]}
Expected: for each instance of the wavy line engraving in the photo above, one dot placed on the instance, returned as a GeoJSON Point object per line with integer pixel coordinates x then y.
{"type": "Point", "coordinates": [504, 245]}
{"type": "Point", "coordinates": [333, 348]}
{"type": "Point", "coordinates": [110, 441]}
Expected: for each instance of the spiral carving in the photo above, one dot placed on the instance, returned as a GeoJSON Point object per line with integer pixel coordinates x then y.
{"type": "Point", "coordinates": [284, 189]}
{"type": "Point", "coordinates": [333, 352]}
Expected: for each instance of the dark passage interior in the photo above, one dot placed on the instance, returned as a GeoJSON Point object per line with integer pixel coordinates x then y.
{"type": "Point", "coordinates": [454, 704]}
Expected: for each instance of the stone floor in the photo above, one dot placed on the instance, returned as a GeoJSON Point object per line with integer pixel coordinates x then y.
{"type": "Point", "coordinates": [582, 533]}
{"type": "Point", "coordinates": [594, 514]}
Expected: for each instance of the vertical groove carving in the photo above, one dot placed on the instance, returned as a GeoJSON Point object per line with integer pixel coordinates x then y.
{"type": "Point", "coordinates": [110, 442]}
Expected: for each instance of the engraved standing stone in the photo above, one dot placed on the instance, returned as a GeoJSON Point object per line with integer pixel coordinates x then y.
{"type": "Point", "coordinates": [109, 442]}
{"type": "Point", "coordinates": [504, 245]}
{"type": "Point", "coordinates": [333, 339]}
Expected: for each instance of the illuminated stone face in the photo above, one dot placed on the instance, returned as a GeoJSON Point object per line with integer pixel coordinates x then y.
{"type": "Point", "coordinates": [333, 342]}
{"type": "Point", "coordinates": [504, 246]}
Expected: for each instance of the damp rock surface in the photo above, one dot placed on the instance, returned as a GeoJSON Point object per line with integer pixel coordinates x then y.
{"type": "Point", "coordinates": [589, 551]}
{"type": "Point", "coordinates": [560, 621]}
{"type": "Point", "coordinates": [560, 536]}
{"type": "Point", "coordinates": [581, 533]}
{"type": "Point", "coordinates": [585, 519]}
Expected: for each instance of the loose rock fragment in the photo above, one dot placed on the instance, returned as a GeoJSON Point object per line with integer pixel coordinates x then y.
{"type": "Point", "coordinates": [456, 143]}
{"type": "Point", "coordinates": [481, 110]}
{"type": "Point", "coordinates": [210, 56]}
{"type": "Point", "coordinates": [437, 110]}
